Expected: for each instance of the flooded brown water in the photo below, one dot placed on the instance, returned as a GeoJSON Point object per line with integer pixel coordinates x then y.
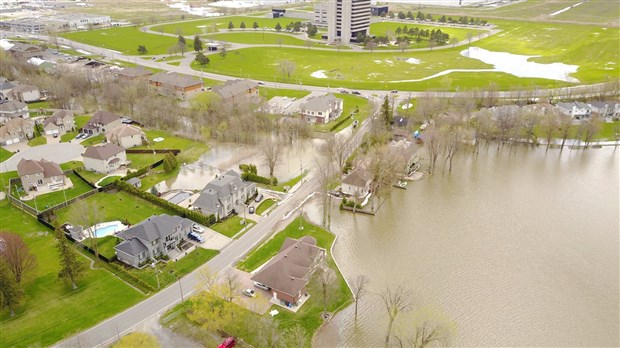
{"type": "Point", "coordinates": [511, 249]}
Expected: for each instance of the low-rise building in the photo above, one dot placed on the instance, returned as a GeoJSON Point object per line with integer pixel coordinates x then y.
{"type": "Point", "coordinates": [24, 51]}
{"type": "Point", "coordinates": [126, 136]}
{"type": "Point", "coordinates": [104, 158]}
{"type": "Point", "coordinates": [577, 110]}
{"type": "Point", "coordinates": [152, 238]}
{"type": "Point", "coordinates": [287, 274]}
{"type": "Point", "coordinates": [13, 109]}
{"type": "Point", "coordinates": [73, 21]}
{"type": "Point", "coordinates": [24, 25]}
{"type": "Point", "coordinates": [175, 84]}
{"type": "Point", "coordinates": [40, 175]}
{"type": "Point", "coordinates": [61, 122]}
{"type": "Point", "coordinates": [16, 130]}
{"type": "Point", "coordinates": [321, 109]}
{"type": "Point", "coordinates": [134, 74]}
{"type": "Point", "coordinates": [357, 183]}
{"type": "Point", "coordinates": [223, 194]}
{"type": "Point", "coordinates": [101, 123]}
{"type": "Point", "coordinates": [236, 91]}
{"type": "Point", "coordinates": [25, 93]}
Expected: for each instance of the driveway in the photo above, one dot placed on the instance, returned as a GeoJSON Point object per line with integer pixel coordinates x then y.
{"type": "Point", "coordinates": [59, 153]}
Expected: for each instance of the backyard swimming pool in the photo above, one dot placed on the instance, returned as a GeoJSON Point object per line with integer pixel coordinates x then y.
{"type": "Point", "coordinates": [108, 228]}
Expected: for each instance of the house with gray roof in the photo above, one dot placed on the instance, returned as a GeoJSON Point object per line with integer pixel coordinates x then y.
{"type": "Point", "coordinates": [235, 91]}
{"type": "Point", "coordinates": [577, 110]}
{"type": "Point", "coordinates": [16, 130]}
{"type": "Point", "coordinates": [288, 273]}
{"type": "Point", "coordinates": [101, 123]}
{"type": "Point", "coordinates": [357, 183]}
{"type": "Point", "coordinates": [40, 175]}
{"type": "Point", "coordinates": [26, 51]}
{"type": "Point", "coordinates": [223, 194]}
{"type": "Point", "coordinates": [104, 158]}
{"type": "Point", "coordinates": [175, 84]}
{"type": "Point", "coordinates": [25, 93]}
{"type": "Point", "coordinates": [61, 122]}
{"type": "Point", "coordinates": [152, 238]}
{"type": "Point", "coordinates": [321, 109]}
{"type": "Point", "coordinates": [5, 89]}
{"type": "Point", "coordinates": [134, 73]}
{"type": "Point", "coordinates": [13, 109]}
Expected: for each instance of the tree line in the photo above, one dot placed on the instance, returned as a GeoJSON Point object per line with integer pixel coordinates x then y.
{"type": "Point", "coordinates": [419, 16]}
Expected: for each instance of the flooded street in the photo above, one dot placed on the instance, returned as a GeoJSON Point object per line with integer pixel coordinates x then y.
{"type": "Point", "coordinates": [516, 249]}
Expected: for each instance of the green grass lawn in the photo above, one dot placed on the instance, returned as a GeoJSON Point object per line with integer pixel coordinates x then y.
{"type": "Point", "coordinates": [80, 121]}
{"type": "Point", "coordinates": [96, 140]}
{"type": "Point", "coordinates": [263, 38]}
{"type": "Point", "coordinates": [204, 26]}
{"type": "Point", "coordinates": [118, 206]}
{"type": "Point", "coordinates": [608, 132]}
{"type": "Point", "coordinates": [593, 11]}
{"type": "Point", "coordinates": [109, 180]}
{"type": "Point", "coordinates": [105, 245]}
{"type": "Point", "coordinates": [126, 40]}
{"type": "Point", "coordinates": [280, 186]}
{"type": "Point", "coordinates": [141, 160]}
{"type": "Point", "coordinates": [92, 177]}
{"type": "Point", "coordinates": [231, 225]}
{"type": "Point", "coordinates": [51, 199]}
{"type": "Point", "coordinates": [50, 310]}
{"type": "Point", "coordinates": [269, 93]}
{"type": "Point", "coordinates": [172, 270]}
{"type": "Point", "coordinates": [42, 104]}
{"type": "Point", "coordinates": [190, 150]}
{"type": "Point", "coordinates": [36, 141]}
{"type": "Point", "coordinates": [264, 205]}
{"type": "Point", "coordinates": [174, 63]}
{"type": "Point", "coordinates": [157, 176]}
{"type": "Point", "coordinates": [382, 28]}
{"type": "Point", "coordinates": [5, 154]}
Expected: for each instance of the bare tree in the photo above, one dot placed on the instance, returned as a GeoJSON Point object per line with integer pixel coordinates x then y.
{"type": "Point", "coordinates": [338, 149]}
{"type": "Point", "coordinates": [87, 214]}
{"type": "Point", "coordinates": [432, 143]}
{"type": "Point", "coordinates": [15, 252]}
{"type": "Point", "coordinates": [271, 151]}
{"type": "Point", "coordinates": [370, 45]}
{"type": "Point", "coordinates": [506, 122]}
{"type": "Point", "coordinates": [549, 125]}
{"type": "Point", "coordinates": [296, 337]}
{"type": "Point", "coordinates": [326, 177]}
{"type": "Point", "coordinates": [326, 277]}
{"type": "Point", "coordinates": [228, 286]}
{"type": "Point", "coordinates": [386, 166]}
{"type": "Point", "coordinates": [359, 287]}
{"type": "Point", "coordinates": [590, 128]}
{"type": "Point", "coordinates": [286, 68]}
{"type": "Point", "coordinates": [450, 137]}
{"type": "Point", "coordinates": [396, 300]}
{"type": "Point", "coordinates": [420, 334]}
{"type": "Point", "coordinates": [564, 124]}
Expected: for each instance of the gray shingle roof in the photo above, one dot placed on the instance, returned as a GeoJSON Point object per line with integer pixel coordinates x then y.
{"type": "Point", "coordinates": [12, 106]}
{"type": "Point", "coordinates": [103, 117]}
{"type": "Point", "coordinates": [234, 87]}
{"type": "Point", "coordinates": [103, 151]}
{"type": "Point", "coordinates": [319, 103]}
{"type": "Point", "coordinates": [218, 190]}
{"type": "Point", "coordinates": [155, 227]}
{"type": "Point", "coordinates": [58, 117]}
{"type": "Point", "coordinates": [135, 72]}
{"type": "Point", "coordinates": [358, 177]}
{"type": "Point", "coordinates": [132, 247]}
{"type": "Point", "coordinates": [175, 79]}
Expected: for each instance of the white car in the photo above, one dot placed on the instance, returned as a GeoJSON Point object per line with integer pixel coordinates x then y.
{"type": "Point", "coordinates": [197, 228]}
{"type": "Point", "coordinates": [248, 292]}
{"type": "Point", "coordinates": [261, 286]}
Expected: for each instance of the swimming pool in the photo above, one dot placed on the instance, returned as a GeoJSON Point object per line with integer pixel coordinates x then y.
{"type": "Point", "coordinates": [108, 228]}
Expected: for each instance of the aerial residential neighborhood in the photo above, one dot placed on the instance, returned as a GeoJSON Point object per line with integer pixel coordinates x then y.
{"type": "Point", "coordinates": [323, 173]}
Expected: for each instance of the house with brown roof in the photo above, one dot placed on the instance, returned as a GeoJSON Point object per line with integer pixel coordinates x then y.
{"type": "Point", "coordinates": [61, 122]}
{"type": "Point", "coordinates": [126, 136]}
{"type": "Point", "coordinates": [321, 109]}
{"type": "Point", "coordinates": [16, 130]}
{"type": "Point", "coordinates": [104, 158]}
{"type": "Point", "coordinates": [101, 123]}
{"type": "Point", "coordinates": [175, 84]}
{"type": "Point", "coordinates": [357, 183]}
{"type": "Point", "coordinates": [235, 91]}
{"type": "Point", "coordinates": [13, 109]}
{"type": "Point", "coordinates": [25, 93]}
{"type": "Point", "coordinates": [133, 74]}
{"type": "Point", "coordinates": [26, 51]}
{"type": "Point", "coordinates": [40, 175]}
{"type": "Point", "coordinates": [288, 273]}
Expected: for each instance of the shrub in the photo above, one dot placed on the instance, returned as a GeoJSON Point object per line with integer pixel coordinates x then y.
{"type": "Point", "coordinates": [249, 168]}
{"type": "Point", "coordinates": [255, 178]}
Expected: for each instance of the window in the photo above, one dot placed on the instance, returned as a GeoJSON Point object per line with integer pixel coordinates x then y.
{"type": "Point", "coordinates": [39, 182]}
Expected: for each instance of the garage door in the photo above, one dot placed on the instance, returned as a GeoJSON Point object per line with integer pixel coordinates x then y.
{"type": "Point", "coordinates": [12, 141]}
{"type": "Point", "coordinates": [51, 132]}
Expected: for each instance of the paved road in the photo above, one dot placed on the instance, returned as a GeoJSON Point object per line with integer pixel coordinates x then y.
{"type": "Point", "coordinates": [59, 153]}
{"type": "Point", "coordinates": [108, 330]}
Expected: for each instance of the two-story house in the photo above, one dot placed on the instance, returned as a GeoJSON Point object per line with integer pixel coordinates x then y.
{"type": "Point", "coordinates": [236, 91]}
{"type": "Point", "coordinates": [223, 194]}
{"type": "Point", "coordinates": [13, 109]}
{"type": "Point", "coordinates": [40, 175]}
{"type": "Point", "coordinates": [321, 109]}
{"type": "Point", "coordinates": [61, 122]}
{"type": "Point", "coordinates": [154, 237]}
{"type": "Point", "coordinates": [104, 158]}
{"type": "Point", "coordinates": [175, 84]}
{"type": "Point", "coordinates": [357, 183]}
{"type": "Point", "coordinates": [126, 136]}
{"type": "Point", "coordinates": [577, 110]}
{"type": "Point", "coordinates": [25, 93]}
{"type": "Point", "coordinates": [16, 130]}
{"type": "Point", "coordinates": [101, 123]}
{"type": "Point", "coordinates": [288, 273]}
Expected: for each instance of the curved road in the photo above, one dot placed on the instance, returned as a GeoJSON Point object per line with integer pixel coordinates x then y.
{"type": "Point", "coordinates": [59, 153]}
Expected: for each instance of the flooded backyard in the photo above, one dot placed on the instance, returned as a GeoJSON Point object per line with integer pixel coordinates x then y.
{"type": "Point", "coordinates": [513, 249]}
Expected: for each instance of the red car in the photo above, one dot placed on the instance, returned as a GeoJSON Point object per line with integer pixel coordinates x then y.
{"type": "Point", "coordinates": [228, 343]}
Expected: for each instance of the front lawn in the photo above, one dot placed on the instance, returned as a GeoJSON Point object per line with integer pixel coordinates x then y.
{"type": "Point", "coordinates": [91, 177]}
{"type": "Point", "coordinates": [264, 205]}
{"type": "Point", "coordinates": [5, 154]}
{"type": "Point", "coordinates": [287, 184]}
{"type": "Point", "coordinates": [353, 108]}
{"type": "Point", "coordinates": [268, 93]}
{"type": "Point", "coordinates": [118, 206]}
{"type": "Point", "coordinates": [51, 199]}
{"type": "Point", "coordinates": [97, 139]}
{"type": "Point", "coordinates": [109, 180]}
{"type": "Point", "coordinates": [231, 226]}
{"type": "Point", "coordinates": [42, 104]}
{"type": "Point", "coordinates": [36, 141]}
{"type": "Point", "coordinates": [190, 150]}
{"type": "Point", "coordinates": [50, 310]}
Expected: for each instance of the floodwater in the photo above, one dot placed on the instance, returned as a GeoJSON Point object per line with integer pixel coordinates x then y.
{"type": "Point", "coordinates": [511, 249]}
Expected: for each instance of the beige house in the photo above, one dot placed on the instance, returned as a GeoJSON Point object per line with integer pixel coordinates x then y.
{"type": "Point", "coordinates": [16, 130]}
{"type": "Point", "coordinates": [357, 183]}
{"type": "Point", "coordinates": [101, 123]}
{"type": "Point", "coordinates": [25, 93]}
{"type": "Point", "coordinates": [321, 109]}
{"type": "Point", "coordinates": [235, 91]}
{"type": "Point", "coordinates": [133, 74]}
{"type": "Point", "coordinates": [126, 136]}
{"type": "Point", "coordinates": [40, 175]}
{"type": "Point", "coordinates": [175, 84]}
{"type": "Point", "coordinates": [104, 158]}
{"type": "Point", "coordinates": [61, 122]}
{"type": "Point", "coordinates": [13, 109]}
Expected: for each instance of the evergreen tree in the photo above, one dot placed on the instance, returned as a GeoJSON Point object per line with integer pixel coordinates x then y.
{"type": "Point", "coordinates": [71, 268]}
{"type": "Point", "coordinates": [242, 25]}
{"type": "Point", "coordinates": [230, 25]}
{"type": "Point", "coordinates": [278, 27]}
{"type": "Point", "coordinates": [182, 40]}
{"type": "Point", "coordinates": [202, 59]}
{"type": "Point", "coordinates": [10, 292]}
{"type": "Point", "coordinates": [255, 25]}
{"type": "Point", "coordinates": [386, 111]}
{"type": "Point", "coordinates": [142, 49]}
{"type": "Point", "coordinates": [197, 44]}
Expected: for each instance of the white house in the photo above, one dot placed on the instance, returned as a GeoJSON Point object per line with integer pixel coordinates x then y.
{"type": "Point", "coordinates": [321, 109]}
{"type": "Point", "coordinates": [577, 110]}
{"type": "Point", "coordinates": [357, 183]}
{"type": "Point", "coordinates": [104, 158]}
{"type": "Point", "coordinates": [126, 136]}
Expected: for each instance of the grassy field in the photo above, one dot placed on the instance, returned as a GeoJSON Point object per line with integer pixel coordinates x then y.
{"type": "Point", "coordinates": [109, 180]}
{"type": "Point", "coordinates": [97, 139]}
{"type": "Point", "coordinates": [50, 310]}
{"type": "Point", "coordinates": [126, 40]}
{"type": "Point", "coordinates": [80, 121]}
{"type": "Point", "coordinates": [190, 149]}
{"type": "Point", "coordinates": [92, 177]}
{"type": "Point", "coordinates": [594, 11]}
{"type": "Point", "coordinates": [118, 206]}
{"type": "Point", "coordinates": [105, 245]}
{"type": "Point", "coordinates": [141, 160]}
{"type": "Point", "coordinates": [382, 28]}
{"type": "Point", "coordinates": [204, 26]}
{"type": "Point", "coordinates": [262, 38]}
{"type": "Point", "coordinates": [51, 199]}
{"type": "Point", "coordinates": [5, 154]}
{"type": "Point", "coordinates": [264, 205]}
{"type": "Point", "coordinates": [269, 93]}
{"type": "Point", "coordinates": [231, 225]}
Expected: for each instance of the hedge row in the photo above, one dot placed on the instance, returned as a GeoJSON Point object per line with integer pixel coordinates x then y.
{"type": "Point", "coordinates": [248, 176]}
{"type": "Point", "coordinates": [343, 120]}
{"type": "Point", "coordinates": [184, 212]}
{"type": "Point", "coordinates": [136, 174]}
{"type": "Point", "coordinates": [128, 276]}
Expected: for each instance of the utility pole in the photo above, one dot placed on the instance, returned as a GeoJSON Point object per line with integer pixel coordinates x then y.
{"type": "Point", "coordinates": [181, 288]}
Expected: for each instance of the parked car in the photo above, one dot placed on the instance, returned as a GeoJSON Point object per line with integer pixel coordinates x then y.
{"type": "Point", "coordinates": [228, 343]}
{"type": "Point", "coordinates": [261, 286]}
{"type": "Point", "coordinates": [251, 210]}
{"type": "Point", "coordinates": [197, 228]}
{"type": "Point", "coordinates": [248, 292]}
{"type": "Point", "coordinates": [261, 83]}
{"type": "Point", "coordinates": [356, 93]}
{"type": "Point", "coordinates": [196, 237]}
{"type": "Point", "coordinates": [259, 197]}
{"type": "Point", "coordinates": [394, 91]}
